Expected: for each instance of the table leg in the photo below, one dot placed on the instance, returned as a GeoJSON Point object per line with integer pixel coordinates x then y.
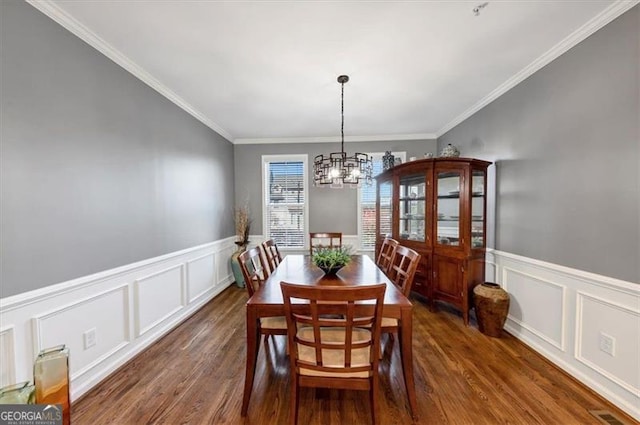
{"type": "Point", "coordinates": [253, 337]}
{"type": "Point", "coordinates": [406, 353]}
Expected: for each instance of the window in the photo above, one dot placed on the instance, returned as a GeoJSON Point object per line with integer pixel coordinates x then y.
{"type": "Point", "coordinates": [367, 205]}
{"type": "Point", "coordinates": [284, 195]}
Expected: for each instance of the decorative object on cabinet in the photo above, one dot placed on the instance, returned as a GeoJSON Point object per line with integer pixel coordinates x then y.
{"type": "Point", "coordinates": [437, 207]}
{"type": "Point", "coordinates": [388, 160]}
{"type": "Point", "coordinates": [51, 378]}
{"type": "Point", "coordinates": [337, 170]}
{"type": "Point", "coordinates": [397, 161]}
{"type": "Point", "coordinates": [450, 151]}
{"type": "Point", "coordinates": [492, 306]}
{"type": "Point", "coordinates": [331, 260]}
{"type": "Point", "coordinates": [428, 155]}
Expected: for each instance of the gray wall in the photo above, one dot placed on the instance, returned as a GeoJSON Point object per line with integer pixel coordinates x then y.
{"type": "Point", "coordinates": [330, 210]}
{"type": "Point", "coordinates": [566, 142]}
{"type": "Point", "coordinates": [97, 169]}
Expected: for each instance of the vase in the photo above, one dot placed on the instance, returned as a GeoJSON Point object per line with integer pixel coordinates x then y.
{"type": "Point", "coordinates": [330, 271]}
{"type": "Point", "coordinates": [450, 151]}
{"type": "Point", "coordinates": [22, 393]}
{"type": "Point", "coordinates": [235, 265]}
{"type": "Point", "coordinates": [492, 306]}
{"type": "Point", "coordinates": [51, 378]}
{"type": "Point", "coordinates": [388, 160]}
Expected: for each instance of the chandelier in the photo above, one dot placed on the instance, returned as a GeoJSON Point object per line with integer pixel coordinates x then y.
{"type": "Point", "coordinates": [337, 170]}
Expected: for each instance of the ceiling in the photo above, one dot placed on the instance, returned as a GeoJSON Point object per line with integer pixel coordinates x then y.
{"type": "Point", "coordinates": [266, 70]}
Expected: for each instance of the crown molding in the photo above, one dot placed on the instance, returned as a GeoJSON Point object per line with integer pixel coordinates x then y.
{"type": "Point", "coordinates": [60, 16]}
{"type": "Point", "coordinates": [603, 18]}
{"type": "Point", "coordinates": [336, 139]}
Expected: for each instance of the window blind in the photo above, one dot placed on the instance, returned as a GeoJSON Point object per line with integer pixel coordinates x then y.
{"type": "Point", "coordinates": [285, 203]}
{"type": "Point", "coordinates": [367, 210]}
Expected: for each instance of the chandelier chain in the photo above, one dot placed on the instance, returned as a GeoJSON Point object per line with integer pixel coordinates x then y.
{"type": "Point", "coordinates": [342, 114]}
{"type": "Point", "coordinates": [338, 169]}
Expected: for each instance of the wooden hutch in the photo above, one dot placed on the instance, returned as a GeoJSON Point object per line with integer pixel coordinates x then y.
{"type": "Point", "coordinates": [438, 207]}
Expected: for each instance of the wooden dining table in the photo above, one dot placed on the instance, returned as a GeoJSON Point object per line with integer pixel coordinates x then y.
{"type": "Point", "coordinates": [267, 302]}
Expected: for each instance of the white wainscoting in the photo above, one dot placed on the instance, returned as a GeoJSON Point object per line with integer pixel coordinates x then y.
{"type": "Point", "coordinates": [129, 308]}
{"type": "Point", "coordinates": [561, 313]}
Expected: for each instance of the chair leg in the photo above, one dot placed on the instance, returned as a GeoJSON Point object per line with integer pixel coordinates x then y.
{"type": "Point", "coordinates": [293, 414]}
{"type": "Point", "coordinates": [373, 395]}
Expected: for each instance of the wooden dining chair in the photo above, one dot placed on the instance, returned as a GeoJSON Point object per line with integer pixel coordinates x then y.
{"type": "Point", "coordinates": [271, 254]}
{"type": "Point", "coordinates": [402, 272]}
{"type": "Point", "coordinates": [253, 271]}
{"type": "Point", "coordinates": [387, 252]}
{"type": "Point", "coordinates": [334, 240]}
{"type": "Point", "coordinates": [333, 352]}
{"type": "Point", "coordinates": [403, 268]}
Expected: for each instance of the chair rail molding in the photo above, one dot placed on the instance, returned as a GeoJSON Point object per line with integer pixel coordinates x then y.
{"type": "Point", "coordinates": [580, 309]}
{"type": "Point", "coordinates": [125, 309]}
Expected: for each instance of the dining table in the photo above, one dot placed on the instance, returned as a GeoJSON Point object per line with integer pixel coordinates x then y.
{"type": "Point", "coordinates": [267, 301]}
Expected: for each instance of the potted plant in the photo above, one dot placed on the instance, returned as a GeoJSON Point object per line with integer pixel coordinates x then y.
{"type": "Point", "coordinates": [330, 260]}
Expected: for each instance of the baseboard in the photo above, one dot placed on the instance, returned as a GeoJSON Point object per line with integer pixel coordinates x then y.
{"type": "Point", "coordinates": [564, 314]}
{"type": "Point", "coordinates": [129, 308]}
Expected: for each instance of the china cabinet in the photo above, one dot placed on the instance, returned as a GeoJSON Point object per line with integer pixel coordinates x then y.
{"type": "Point", "coordinates": [438, 207]}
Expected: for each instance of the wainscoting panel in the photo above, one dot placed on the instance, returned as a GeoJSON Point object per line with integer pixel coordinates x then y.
{"type": "Point", "coordinates": [127, 308]}
{"type": "Point", "coordinates": [200, 276]}
{"type": "Point", "coordinates": [68, 325]}
{"type": "Point", "coordinates": [587, 324]}
{"type": "Point", "coordinates": [541, 301]}
{"type": "Point", "coordinates": [598, 318]}
{"type": "Point", "coordinates": [7, 357]}
{"type": "Point", "coordinates": [158, 297]}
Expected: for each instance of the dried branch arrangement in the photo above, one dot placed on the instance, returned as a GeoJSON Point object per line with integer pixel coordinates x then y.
{"type": "Point", "coordinates": [243, 221]}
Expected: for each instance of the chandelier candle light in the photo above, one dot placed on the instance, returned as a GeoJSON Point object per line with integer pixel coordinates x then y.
{"type": "Point", "coordinates": [337, 170]}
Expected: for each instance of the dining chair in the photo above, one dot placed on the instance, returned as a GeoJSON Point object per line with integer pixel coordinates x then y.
{"type": "Point", "coordinates": [254, 273]}
{"type": "Point", "coordinates": [271, 254]}
{"type": "Point", "coordinates": [334, 240]}
{"type": "Point", "coordinates": [402, 268]}
{"type": "Point", "coordinates": [401, 272]}
{"type": "Point", "coordinates": [339, 353]}
{"type": "Point", "coordinates": [387, 252]}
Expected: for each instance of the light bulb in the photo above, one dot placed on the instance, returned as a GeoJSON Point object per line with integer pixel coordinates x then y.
{"type": "Point", "coordinates": [334, 173]}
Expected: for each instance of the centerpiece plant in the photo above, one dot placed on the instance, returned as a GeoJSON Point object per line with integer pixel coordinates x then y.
{"type": "Point", "coordinates": [330, 260]}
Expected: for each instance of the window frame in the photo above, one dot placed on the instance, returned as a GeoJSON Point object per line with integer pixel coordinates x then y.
{"type": "Point", "coordinates": [374, 156]}
{"type": "Point", "coordinates": [266, 229]}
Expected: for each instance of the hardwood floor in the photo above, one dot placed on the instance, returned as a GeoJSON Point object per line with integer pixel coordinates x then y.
{"type": "Point", "coordinates": [195, 375]}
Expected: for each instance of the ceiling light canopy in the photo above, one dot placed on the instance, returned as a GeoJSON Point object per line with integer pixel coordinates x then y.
{"type": "Point", "coordinates": [337, 170]}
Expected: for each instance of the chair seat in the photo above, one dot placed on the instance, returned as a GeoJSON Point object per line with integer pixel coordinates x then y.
{"type": "Point", "coordinates": [277, 322]}
{"type": "Point", "coordinates": [388, 322]}
{"type": "Point", "coordinates": [334, 358]}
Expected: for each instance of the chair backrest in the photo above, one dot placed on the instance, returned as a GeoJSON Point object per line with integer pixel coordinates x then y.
{"type": "Point", "coordinates": [327, 240]}
{"type": "Point", "coordinates": [403, 268]}
{"type": "Point", "coordinates": [253, 269]}
{"type": "Point", "coordinates": [387, 252]}
{"type": "Point", "coordinates": [350, 342]}
{"type": "Point", "coordinates": [271, 254]}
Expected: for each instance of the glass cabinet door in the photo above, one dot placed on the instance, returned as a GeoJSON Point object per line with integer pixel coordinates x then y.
{"type": "Point", "coordinates": [412, 207]}
{"type": "Point", "coordinates": [478, 209]}
{"type": "Point", "coordinates": [448, 185]}
{"type": "Point", "coordinates": [386, 208]}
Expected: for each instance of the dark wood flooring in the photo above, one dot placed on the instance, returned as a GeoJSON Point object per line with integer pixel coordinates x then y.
{"type": "Point", "coordinates": [195, 375]}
